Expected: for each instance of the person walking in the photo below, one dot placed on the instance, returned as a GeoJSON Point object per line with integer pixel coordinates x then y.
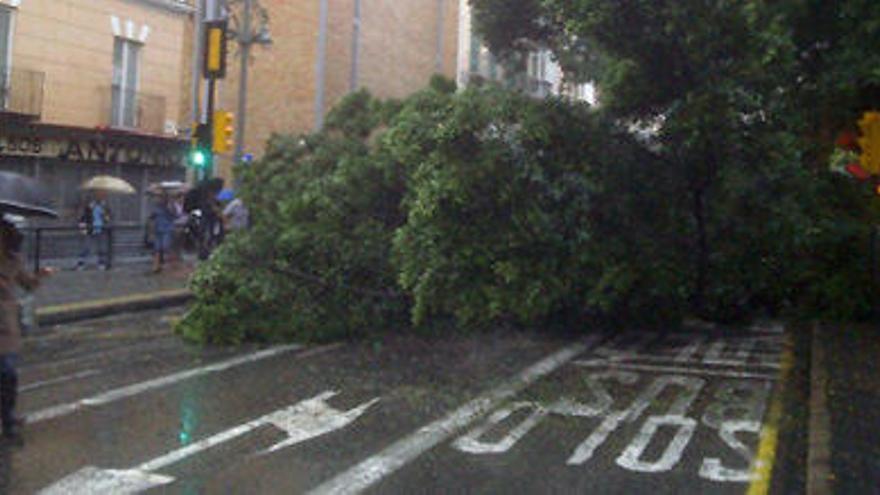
{"type": "Point", "coordinates": [236, 215]}
{"type": "Point", "coordinates": [93, 223]}
{"type": "Point", "coordinates": [12, 274]}
{"type": "Point", "coordinates": [162, 218]}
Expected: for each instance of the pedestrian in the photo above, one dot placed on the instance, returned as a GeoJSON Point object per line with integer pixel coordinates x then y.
{"type": "Point", "coordinates": [93, 224]}
{"type": "Point", "coordinates": [236, 215]}
{"type": "Point", "coordinates": [162, 218]}
{"type": "Point", "coordinates": [12, 274]}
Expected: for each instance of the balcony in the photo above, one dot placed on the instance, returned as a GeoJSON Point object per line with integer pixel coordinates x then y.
{"type": "Point", "coordinates": [134, 111]}
{"type": "Point", "coordinates": [21, 92]}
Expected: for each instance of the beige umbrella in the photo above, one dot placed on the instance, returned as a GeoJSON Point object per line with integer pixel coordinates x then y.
{"type": "Point", "coordinates": [108, 184]}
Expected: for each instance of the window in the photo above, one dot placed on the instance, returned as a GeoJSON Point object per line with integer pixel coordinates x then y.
{"type": "Point", "coordinates": [5, 54]}
{"type": "Point", "coordinates": [126, 55]}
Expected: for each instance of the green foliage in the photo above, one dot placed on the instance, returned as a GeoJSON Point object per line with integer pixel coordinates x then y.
{"type": "Point", "coordinates": [509, 216]}
{"type": "Point", "coordinates": [744, 100]}
{"type": "Point", "coordinates": [315, 264]}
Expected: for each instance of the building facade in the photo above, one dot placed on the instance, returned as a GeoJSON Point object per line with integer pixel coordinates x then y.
{"type": "Point", "coordinates": [92, 87]}
{"type": "Point", "coordinates": [324, 49]}
{"type": "Point", "coordinates": [541, 75]}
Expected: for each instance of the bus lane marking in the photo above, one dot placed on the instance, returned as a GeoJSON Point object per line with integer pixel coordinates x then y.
{"type": "Point", "coordinates": [303, 421]}
{"type": "Point", "coordinates": [375, 468]}
{"type": "Point", "coordinates": [146, 386]}
{"type": "Point", "coordinates": [736, 407]}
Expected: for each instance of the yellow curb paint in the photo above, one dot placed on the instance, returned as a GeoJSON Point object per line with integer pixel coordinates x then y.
{"type": "Point", "coordinates": [52, 310]}
{"type": "Point", "coordinates": [762, 467]}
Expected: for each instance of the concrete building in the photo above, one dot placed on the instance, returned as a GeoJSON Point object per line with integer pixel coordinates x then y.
{"type": "Point", "coordinates": [324, 49]}
{"type": "Point", "coordinates": [541, 77]}
{"type": "Point", "coordinates": [93, 87]}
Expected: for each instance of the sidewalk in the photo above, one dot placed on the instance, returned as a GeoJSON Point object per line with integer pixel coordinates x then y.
{"type": "Point", "coordinates": [71, 295]}
{"type": "Point", "coordinates": [852, 388]}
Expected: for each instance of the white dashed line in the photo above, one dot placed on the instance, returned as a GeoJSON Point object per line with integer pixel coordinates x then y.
{"type": "Point", "coordinates": [139, 388]}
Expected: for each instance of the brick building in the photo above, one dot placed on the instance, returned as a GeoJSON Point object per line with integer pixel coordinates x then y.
{"type": "Point", "coordinates": [324, 49]}
{"type": "Point", "coordinates": [93, 87]}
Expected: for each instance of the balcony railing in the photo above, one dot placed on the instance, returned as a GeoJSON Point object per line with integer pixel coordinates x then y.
{"type": "Point", "coordinates": [127, 109]}
{"type": "Point", "coordinates": [21, 91]}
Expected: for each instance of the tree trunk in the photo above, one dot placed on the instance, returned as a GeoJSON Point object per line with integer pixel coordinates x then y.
{"type": "Point", "coordinates": [702, 254]}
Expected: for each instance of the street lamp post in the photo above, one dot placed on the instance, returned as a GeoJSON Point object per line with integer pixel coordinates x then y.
{"type": "Point", "coordinates": [246, 36]}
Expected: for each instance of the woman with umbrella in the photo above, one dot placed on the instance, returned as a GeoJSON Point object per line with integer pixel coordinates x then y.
{"type": "Point", "coordinates": [95, 218]}
{"type": "Point", "coordinates": [21, 196]}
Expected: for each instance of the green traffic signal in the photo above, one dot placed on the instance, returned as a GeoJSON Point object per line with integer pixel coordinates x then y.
{"type": "Point", "coordinates": [199, 158]}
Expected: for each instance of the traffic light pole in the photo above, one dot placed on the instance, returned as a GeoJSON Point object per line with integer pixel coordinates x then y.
{"type": "Point", "coordinates": [212, 89]}
{"type": "Point", "coordinates": [245, 39]}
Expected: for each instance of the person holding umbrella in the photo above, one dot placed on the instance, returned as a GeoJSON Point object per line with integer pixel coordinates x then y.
{"type": "Point", "coordinates": [95, 218]}
{"type": "Point", "coordinates": [12, 274]}
{"type": "Point", "coordinates": [22, 196]}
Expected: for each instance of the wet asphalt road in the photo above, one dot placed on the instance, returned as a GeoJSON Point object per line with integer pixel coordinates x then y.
{"type": "Point", "coordinates": [121, 404]}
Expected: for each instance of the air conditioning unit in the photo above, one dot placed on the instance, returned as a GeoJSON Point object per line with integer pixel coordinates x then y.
{"type": "Point", "coordinates": [171, 128]}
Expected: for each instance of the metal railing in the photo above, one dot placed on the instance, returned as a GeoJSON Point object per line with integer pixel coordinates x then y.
{"type": "Point", "coordinates": [65, 245]}
{"type": "Point", "coordinates": [21, 91]}
{"type": "Point", "coordinates": [129, 109]}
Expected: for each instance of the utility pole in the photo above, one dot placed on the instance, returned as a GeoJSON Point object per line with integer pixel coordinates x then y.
{"type": "Point", "coordinates": [247, 35]}
{"type": "Point", "coordinates": [245, 38]}
{"type": "Point", "coordinates": [198, 47]}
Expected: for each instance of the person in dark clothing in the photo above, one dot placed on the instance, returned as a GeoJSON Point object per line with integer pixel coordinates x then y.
{"type": "Point", "coordinates": [93, 223]}
{"type": "Point", "coordinates": [12, 274]}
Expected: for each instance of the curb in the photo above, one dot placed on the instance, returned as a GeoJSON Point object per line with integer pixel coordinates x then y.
{"type": "Point", "coordinates": [819, 442]}
{"type": "Point", "coordinates": [68, 313]}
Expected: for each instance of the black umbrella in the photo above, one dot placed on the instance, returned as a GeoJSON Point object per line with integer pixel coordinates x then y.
{"type": "Point", "coordinates": [24, 196]}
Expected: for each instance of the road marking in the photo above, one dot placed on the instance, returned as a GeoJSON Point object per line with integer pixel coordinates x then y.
{"type": "Point", "coordinates": [614, 419]}
{"type": "Point", "coordinates": [55, 381]}
{"type": "Point", "coordinates": [675, 360]}
{"type": "Point", "coordinates": [139, 388]}
{"type": "Point", "coordinates": [631, 457]}
{"type": "Point", "coordinates": [762, 466]}
{"type": "Point", "coordinates": [598, 363]}
{"type": "Point", "coordinates": [374, 469]}
{"type": "Point", "coordinates": [306, 420]}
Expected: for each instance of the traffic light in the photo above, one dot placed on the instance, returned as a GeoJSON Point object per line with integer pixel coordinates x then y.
{"type": "Point", "coordinates": [200, 156]}
{"type": "Point", "coordinates": [214, 64]}
{"type": "Point", "coordinates": [224, 127]}
{"type": "Point", "coordinates": [869, 143]}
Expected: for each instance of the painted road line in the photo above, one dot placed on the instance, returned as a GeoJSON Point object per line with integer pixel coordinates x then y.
{"type": "Point", "coordinates": [55, 381]}
{"type": "Point", "coordinates": [675, 360]}
{"type": "Point", "coordinates": [308, 419]}
{"type": "Point", "coordinates": [762, 465]}
{"type": "Point", "coordinates": [604, 363]}
{"type": "Point", "coordinates": [139, 388]}
{"type": "Point", "coordinates": [374, 469]}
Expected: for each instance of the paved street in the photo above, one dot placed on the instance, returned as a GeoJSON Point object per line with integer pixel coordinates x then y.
{"type": "Point", "coordinates": [121, 402]}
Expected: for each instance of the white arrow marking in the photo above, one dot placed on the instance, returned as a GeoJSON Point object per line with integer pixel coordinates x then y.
{"type": "Point", "coordinates": [312, 418]}
{"type": "Point", "coordinates": [303, 421]}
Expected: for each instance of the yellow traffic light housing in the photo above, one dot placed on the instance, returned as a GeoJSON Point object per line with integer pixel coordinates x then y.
{"type": "Point", "coordinates": [224, 129]}
{"type": "Point", "coordinates": [214, 63]}
{"type": "Point", "coordinates": [869, 143]}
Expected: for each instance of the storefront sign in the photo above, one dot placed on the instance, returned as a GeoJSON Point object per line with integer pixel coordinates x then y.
{"type": "Point", "coordinates": [94, 151]}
